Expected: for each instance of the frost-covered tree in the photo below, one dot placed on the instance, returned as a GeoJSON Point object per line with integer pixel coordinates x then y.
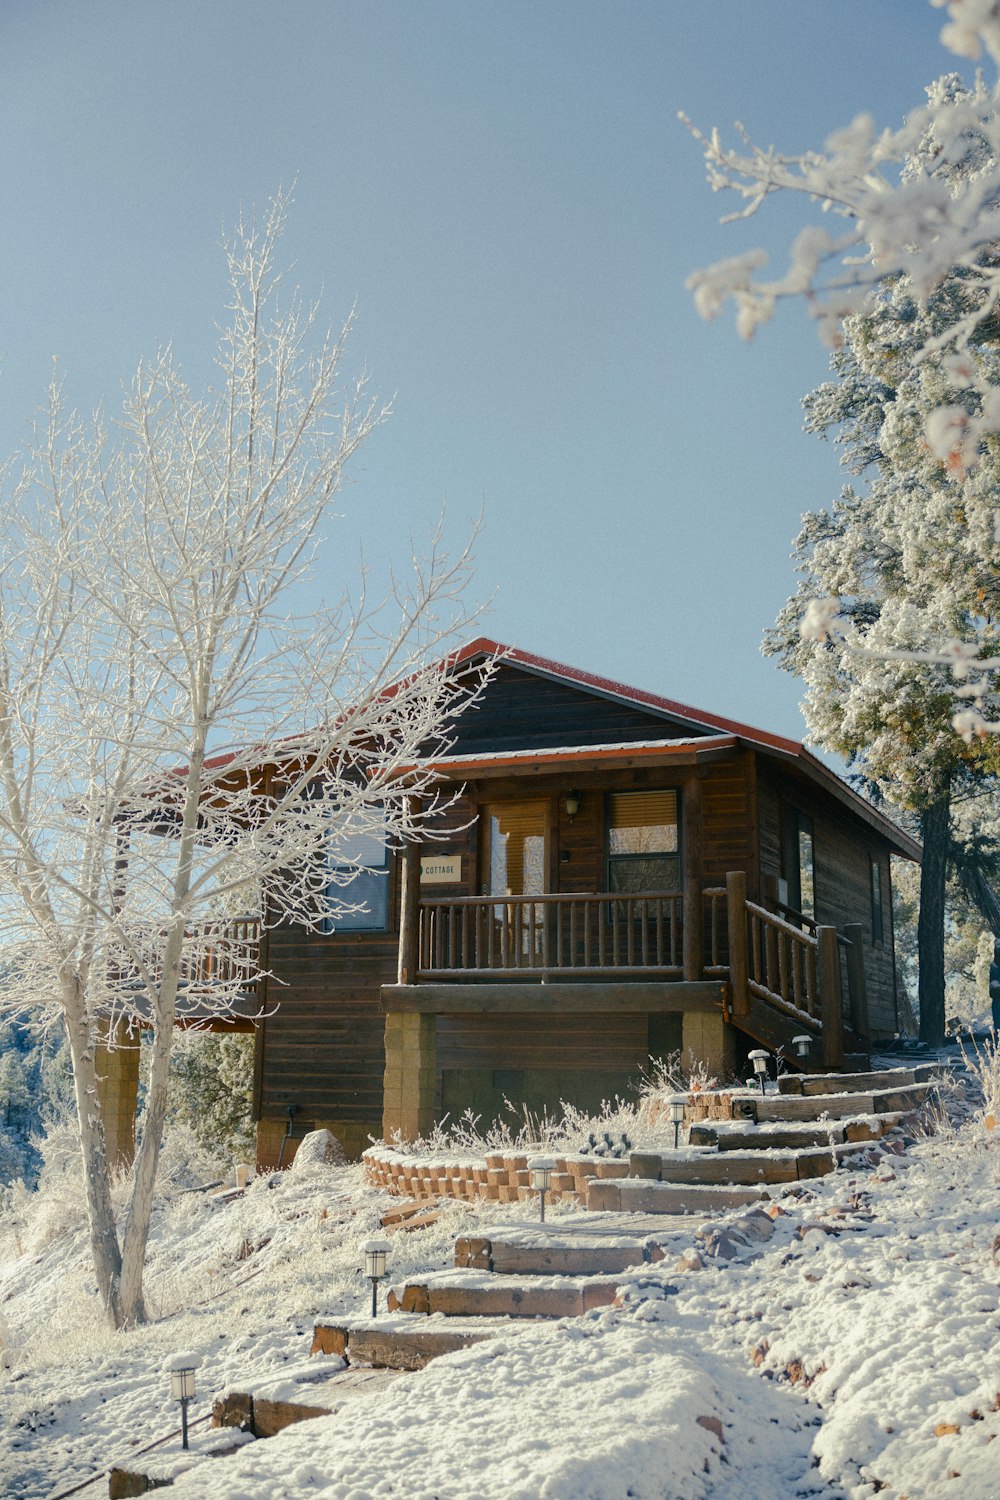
{"type": "Point", "coordinates": [921, 202]}
{"type": "Point", "coordinates": [908, 553]}
{"type": "Point", "coordinates": [170, 732]}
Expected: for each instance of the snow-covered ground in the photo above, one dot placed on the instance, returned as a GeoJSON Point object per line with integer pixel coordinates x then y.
{"type": "Point", "coordinates": [855, 1352]}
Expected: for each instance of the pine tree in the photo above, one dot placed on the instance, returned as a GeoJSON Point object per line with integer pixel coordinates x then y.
{"type": "Point", "coordinates": [910, 554]}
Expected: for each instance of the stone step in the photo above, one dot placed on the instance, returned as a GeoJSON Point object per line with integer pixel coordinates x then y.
{"type": "Point", "coordinates": [395, 1343]}
{"type": "Point", "coordinates": [269, 1409]}
{"type": "Point", "coordinates": [752, 1138]}
{"type": "Point", "coordinates": [633, 1195]}
{"type": "Point", "coordinates": [474, 1294]}
{"type": "Point", "coordinates": [529, 1257]}
{"type": "Point", "coordinates": [853, 1083]}
{"type": "Point", "coordinates": [764, 1137]}
{"type": "Point", "coordinates": [835, 1106]}
{"type": "Point", "coordinates": [765, 1162]}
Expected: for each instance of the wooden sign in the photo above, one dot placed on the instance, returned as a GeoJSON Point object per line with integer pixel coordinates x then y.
{"type": "Point", "coordinates": [440, 869]}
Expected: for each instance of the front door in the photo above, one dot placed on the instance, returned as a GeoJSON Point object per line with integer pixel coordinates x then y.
{"type": "Point", "coordinates": [515, 865]}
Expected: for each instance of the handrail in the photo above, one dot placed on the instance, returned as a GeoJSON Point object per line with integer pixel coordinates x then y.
{"type": "Point", "coordinates": [579, 933]}
{"type": "Point", "coordinates": [782, 964]}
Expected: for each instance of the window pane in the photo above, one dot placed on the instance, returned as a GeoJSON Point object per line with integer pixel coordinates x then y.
{"type": "Point", "coordinates": [807, 894]}
{"type": "Point", "coordinates": [642, 823]}
{"type": "Point", "coordinates": [639, 874]}
{"type": "Point", "coordinates": [367, 887]}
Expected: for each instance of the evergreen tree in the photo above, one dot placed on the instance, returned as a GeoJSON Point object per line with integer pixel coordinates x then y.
{"type": "Point", "coordinates": [911, 556]}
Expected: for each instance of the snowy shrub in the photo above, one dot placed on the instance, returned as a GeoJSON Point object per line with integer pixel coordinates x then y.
{"type": "Point", "coordinates": [211, 1083]}
{"type": "Point", "coordinates": [982, 1058]}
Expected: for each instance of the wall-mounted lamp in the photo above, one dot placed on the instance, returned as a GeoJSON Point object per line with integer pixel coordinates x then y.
{"type": "Point", "coordinates": [571, 803]}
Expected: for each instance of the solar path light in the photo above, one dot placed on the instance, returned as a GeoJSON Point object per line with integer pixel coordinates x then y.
{"type": "Point", "coordinates": [541, 1169]}
{"type": "Point", "coordinates": [182, 1368]}
{"type": "Point", "coordinates": [376, 1252]}
{"type": "Point", "coordinates": [802, 1045]}
{"type": "Point", "coordinates": [759, 1059]}
{"type": "Point", "coordinates": [678, 1104]}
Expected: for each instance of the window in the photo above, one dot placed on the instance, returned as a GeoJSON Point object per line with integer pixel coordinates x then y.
{"type": "Point", "coordinates": [643, 848]}
{"type": "Point", "coordinates": [797, 887]}
{"type": "Point", "coordinates": [878, 910]}
{"type": "Point", "coordinates": [358, 874]}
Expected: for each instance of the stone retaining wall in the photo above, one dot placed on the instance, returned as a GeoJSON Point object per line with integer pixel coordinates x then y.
{"type": "Point", "coordinates": [503, 1176]}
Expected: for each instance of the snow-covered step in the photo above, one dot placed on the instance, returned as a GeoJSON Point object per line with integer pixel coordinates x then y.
{"type": "Point", "coordinates": [853, 1083]}
{"type": "Point", "coordinates": [749, 1137]}
{"type": "Point", "coordinates": [478, 1294]}
{"type": "Point", "coordinates": [398, 1342]}
{"type": "Point", "coordinates": [529, 1254]}
{"type": "Point", "coordinates": [301, 1395]}
{"type": "Point", "coordinates": [765, 1163]}
{"type": "Point", "coordinates": [837, 1106]}
{"type": "Point", "coordinates": [633, 1195]}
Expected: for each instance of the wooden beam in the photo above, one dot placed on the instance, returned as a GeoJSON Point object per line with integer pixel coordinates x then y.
{"type": "Point", "coordinates": [828, 975]}
{"type": "Point", "coordinates": [550, 999]}
{"type": "Point", "coordinates": [857, 986]}
{"type": "Point", "coordinates": [736, 915]}
{"type": "Point", "coordinates": [409, 910]}
{"type": "Point", "coordinates": [693, 928]}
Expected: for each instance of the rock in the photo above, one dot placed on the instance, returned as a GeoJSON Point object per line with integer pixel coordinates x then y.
{"type": "Point", "coordinates": [721, 1246]}
{"type": "Point", "coordinates": [712, 1425]}
{"type": "Point", "coordinates": [757, 1225]}
{"type": "Point", "coordinates": [319, 1148]}
{"type": "Point", "coordinates": [690, 1260]}
{"type": "Point", "coordinates": [945, 1429]}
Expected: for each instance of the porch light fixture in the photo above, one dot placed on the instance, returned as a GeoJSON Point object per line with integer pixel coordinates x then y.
{"type": "Point", "coordinates": [678, 1104]}
{"type": "Point", "coordinates": [376, 1252]}
{"type": "Point", "coordinates": [571, 803]}
{"type": "Point", "coordinates": [802, 1045]}
{"type": "Point", "coordinates": [759, 1059]}
{"type": "Point", "coordinates": [182, 1368]}
{"type": "Point", "coordinates": [541, 1169]}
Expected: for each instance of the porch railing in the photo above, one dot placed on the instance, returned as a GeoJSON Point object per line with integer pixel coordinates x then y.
{"type": "Point", "coordinates": [782, 963]}
{"type": "Point", "coordinates": [547, 934]}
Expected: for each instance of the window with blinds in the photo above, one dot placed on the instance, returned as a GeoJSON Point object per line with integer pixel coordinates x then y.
{"type": "Point", "coordinates": [643, 842]}
{"type": "Point", "coordinates": [357, 867]}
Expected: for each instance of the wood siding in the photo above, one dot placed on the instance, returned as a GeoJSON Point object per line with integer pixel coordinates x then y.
{"type": "Point", "coordinates": [522, 711]}
{"type": "Point", "coordinates": [843, 848]}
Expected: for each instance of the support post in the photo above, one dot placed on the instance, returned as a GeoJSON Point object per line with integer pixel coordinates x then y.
{"type": "Point", "coordinates": [857, 985]}
{"type": "Point", "coordinates": [410, 1075]}
{"type": "Point", "coordinates": [828, 973]}
{"type": "Point", "coordinates": [409, 906]}
{"type": "Point", "coordinates": [707, 1039]}
{"type": "Point", "coordinates": [736, 921]}
{"type": "Point", "coordinates": [693, 930]}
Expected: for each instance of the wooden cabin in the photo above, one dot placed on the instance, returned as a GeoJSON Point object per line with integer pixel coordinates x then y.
{"type": "Point", "coordinates": [622, 877]}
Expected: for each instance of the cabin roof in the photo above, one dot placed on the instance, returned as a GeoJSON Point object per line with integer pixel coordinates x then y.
{"type": "Point", "coordinates": [728, 733]}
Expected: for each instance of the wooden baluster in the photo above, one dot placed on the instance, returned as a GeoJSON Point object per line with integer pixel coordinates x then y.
{"type": "Point", "coordinates": [771, 956]}
{"type": "Point", "coordinates": [783, 941]}
{"type": "Point", "coordinates": [532, 955]}
{"type": "Point", "coordinates": [602, 932]}
{"type": "Point", "coordinates": [615, 945]}
{"type": "Point", "coordinates": [630, 911]}
{"type": "Point", "coordinates": [587, 912]}
{"type": "Point", "coordinates": [736, 913]}
{"type": "Point", "coordinates": [758, 968]}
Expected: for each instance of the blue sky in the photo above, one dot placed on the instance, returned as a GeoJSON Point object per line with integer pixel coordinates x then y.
{"type": "Point", "coordinates": [506, 192]}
